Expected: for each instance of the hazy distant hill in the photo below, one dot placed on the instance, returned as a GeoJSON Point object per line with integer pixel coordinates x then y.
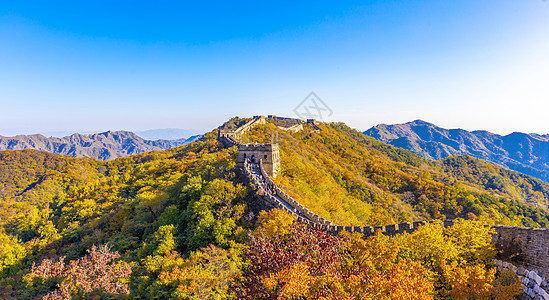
{"type": "Point", "coordinates": [525, 153]}
{"type": "Point", "coordinates": [167, 134]}
{"type": "Point", "coordinates": [104, 146]}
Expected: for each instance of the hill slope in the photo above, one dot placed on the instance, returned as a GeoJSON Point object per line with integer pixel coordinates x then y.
{"type": "Point", "coordinates": [104, 146]}
{"type": "Point", "coordinates": [525, 153]}
{"type": "Point", "coordinates": [144, 206]}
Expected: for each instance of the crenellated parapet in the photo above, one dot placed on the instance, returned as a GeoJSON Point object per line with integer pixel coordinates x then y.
{"type": "Point", "coordinates": [390, 230]}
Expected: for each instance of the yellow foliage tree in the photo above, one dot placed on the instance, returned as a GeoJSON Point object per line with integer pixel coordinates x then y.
{"type": "Point", "coordinates": [294, 281]}
{"type": "Point", "coordinates": [386, 276]}
{"type": "Point", "coordinates": [429, 244]}
{"type": "Point", "coordinates": [205, 275]}
{"type": "Point", "coordinates": [469, 282]}
{"type": "Point", "coordinates": [473, 241]}
{"type": "Point", "coordinates": [478, 282]}
{"type": "Point", "coordinates": [274, 222]}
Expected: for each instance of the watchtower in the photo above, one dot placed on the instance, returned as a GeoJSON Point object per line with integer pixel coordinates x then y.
{"type": "Point", "coordinates": [266, 153]}
{"type": "Point", "coordinates": [227, 133]}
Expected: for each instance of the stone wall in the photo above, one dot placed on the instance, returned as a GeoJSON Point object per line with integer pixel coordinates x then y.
{"type": "Point", "coordinates": [294, 128]}
{"type": "Point", "coordinates": [292, 121]}
{"type": "Point", "coordinates": [256, 120]}
{"type": "Point", "coordinates": [258, 187]}
{"type": "Point", "coordinates": [525, 247]}
{"type": "Point", "coordinates": [229, 141]}
{"type": "Point", "coordinates": [295, 124]}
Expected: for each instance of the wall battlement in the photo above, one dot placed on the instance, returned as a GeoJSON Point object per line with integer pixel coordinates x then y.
{"type": "Point", "coordinates": [289, 120]}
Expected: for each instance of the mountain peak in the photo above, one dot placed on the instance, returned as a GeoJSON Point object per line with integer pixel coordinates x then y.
{"type": "Point", "coordinates": [419, 122]}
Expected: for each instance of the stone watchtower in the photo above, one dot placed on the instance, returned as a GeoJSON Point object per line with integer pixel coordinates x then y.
{"type": "Point", "coordinates": [266, 153]}
{"type": "Point", "coordinates": [226, 133]}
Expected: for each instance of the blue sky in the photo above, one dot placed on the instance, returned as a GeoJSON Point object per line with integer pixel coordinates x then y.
{"type": "Point", "coordinates": [110, 65]}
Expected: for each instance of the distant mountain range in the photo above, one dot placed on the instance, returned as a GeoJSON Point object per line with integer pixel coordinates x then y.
{"type": "Point", "coordinates": [525, 153]}
{"type": "Point", "coordinates": [151, 134]}
{"type": "Point", "coordinates": [167, 134]}
{"type": "Point", "coordinates": [105, 146]}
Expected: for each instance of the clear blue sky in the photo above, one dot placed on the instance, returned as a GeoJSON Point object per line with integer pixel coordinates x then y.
{"type": "Point", "coordinates": [109, 65]}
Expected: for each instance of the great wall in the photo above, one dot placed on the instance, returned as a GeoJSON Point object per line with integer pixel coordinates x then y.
{"type": "Point", "coordinates": [523, 250]}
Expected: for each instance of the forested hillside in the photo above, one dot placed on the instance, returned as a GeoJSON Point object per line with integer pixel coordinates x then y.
{"type": "Point", "coordinates": [182, 223]}
{"type": "Point", "coordinates": [145, 207]}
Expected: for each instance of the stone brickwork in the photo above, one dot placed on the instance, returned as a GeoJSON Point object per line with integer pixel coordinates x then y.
{"type": "Point", "coordinates": [295, 125]}
{"type": "Point", "coordinates": [533, 283]}
{"type": "Point", "coordinates": [294, 128]}
{"type": "Point", "coordinates": [291, 121]}
{"type": "Point", "coordinates": [525, 247]}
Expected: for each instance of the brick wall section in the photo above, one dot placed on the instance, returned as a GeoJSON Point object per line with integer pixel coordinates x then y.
{"type": "Point", "coordinates": [255, 121]}
{"type": "Point", "coordinates": [522, 246]}
{"type": "Point", "coordinates": [293, 128]}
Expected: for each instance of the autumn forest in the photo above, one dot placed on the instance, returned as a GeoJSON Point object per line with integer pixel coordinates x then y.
{"type": "Point", "coordinates": [184, 223]}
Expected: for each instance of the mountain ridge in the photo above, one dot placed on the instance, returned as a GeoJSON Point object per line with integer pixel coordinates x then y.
{"type": "Point", "coordinates": [167, 133]}
{"type": "Point", "coordinates": [522, 152]}
{"type": "Point", "coordinates": [104, 146]}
